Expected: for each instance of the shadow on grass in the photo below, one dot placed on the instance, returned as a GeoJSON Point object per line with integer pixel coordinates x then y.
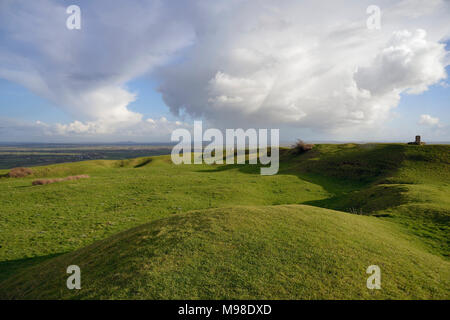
{"type": "Point", "coordinates": [351, 174]}
{"type": "Point", "coordinates": [143, 163]}
{"type": "Point", "coordinates": [366, 201]}
{"type": "Point", "coordinates": [22, 187]}
{"type": "Point", "coordinates": [12, 267]}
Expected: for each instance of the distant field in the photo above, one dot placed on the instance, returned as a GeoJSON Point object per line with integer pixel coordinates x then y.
{"type": "Point", "coordinates": [146, 228]}
{"type": "Point", "coordinates": [44, 154]}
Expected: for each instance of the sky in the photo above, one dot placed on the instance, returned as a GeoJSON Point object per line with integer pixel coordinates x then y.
{"type": "Point", "coordinates": [137, 70]}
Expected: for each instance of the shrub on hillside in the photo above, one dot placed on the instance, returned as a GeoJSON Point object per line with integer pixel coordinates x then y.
{"type": "Point", "coordinates": [19, 172]}
{"type": "Point", "coordinates": [301, 147]}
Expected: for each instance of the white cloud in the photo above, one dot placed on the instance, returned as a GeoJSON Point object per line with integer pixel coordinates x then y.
{"type": "Point", "coordinates": [300, 64]}
{"type": "Point", "coordinates": [84, 71]}
{"type": "Point", "coordinates": [154, 130]}
{"type": "Point", "coordinates": [303, 65]}
{"type": "Point", "coordinates": [159, 128]}
{"type": "Point", "coordinates": [409, 63]}
{"type": "Point", "coordinates": [427, 120]}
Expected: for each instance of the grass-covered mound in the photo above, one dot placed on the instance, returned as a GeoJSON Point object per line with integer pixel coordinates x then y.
{"type": "Point", "coordinates": [275, 252]}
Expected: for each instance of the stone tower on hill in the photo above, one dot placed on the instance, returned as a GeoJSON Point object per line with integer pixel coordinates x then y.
{"type": "Point", "coordinates": [417, 142]}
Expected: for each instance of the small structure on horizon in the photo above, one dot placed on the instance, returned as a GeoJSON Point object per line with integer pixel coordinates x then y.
{"type": "Point", "coordinates": [417, 142]}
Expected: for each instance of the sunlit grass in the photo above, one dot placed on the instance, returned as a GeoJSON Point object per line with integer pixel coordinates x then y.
{"type": "Point", "coordinates": [399, 194]}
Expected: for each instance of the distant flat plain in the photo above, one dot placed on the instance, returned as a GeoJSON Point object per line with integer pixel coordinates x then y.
{"type": "Point", "coordinates": [37, 154]}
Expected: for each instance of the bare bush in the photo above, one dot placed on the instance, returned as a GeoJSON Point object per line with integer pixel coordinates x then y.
{"type": "Point", "coordinates": [301, 147]}
{"type": "Point", "coordinates": [49, 181]}
{"type": "Point", "coordinates": [19, 172]}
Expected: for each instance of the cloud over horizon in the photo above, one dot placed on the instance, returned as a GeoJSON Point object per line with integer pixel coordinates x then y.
{"type": "Point", "coordinates": [232, 63]}
{"type": "Point", "coordinates": [427, 120]}
{"type": "Point", "coordinates": [84, 72]}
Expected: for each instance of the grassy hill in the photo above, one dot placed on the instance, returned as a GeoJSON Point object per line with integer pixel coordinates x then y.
{"type": "Point", "coordinates": [291, 251]}
{"type": "Point", "coordinates": [224, 231]}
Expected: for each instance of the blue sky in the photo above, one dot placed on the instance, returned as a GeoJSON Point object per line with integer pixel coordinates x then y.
{"type": "Point", "coordinates": [434, 101]}
{"type": "Point", "coordinates": [312, 74]}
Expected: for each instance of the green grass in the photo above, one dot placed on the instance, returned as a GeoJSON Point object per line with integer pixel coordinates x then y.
{"type": "Point", "coordinates": [61, 217]}
{"type": "Point", "coordinates": [401, 193]}
{"type": "Point", "coordinates": [269, 252]}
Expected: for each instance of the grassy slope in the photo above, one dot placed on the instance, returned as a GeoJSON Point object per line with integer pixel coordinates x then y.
{"type": "Point", "coordinates": [58, 218]}
{"type": "Point", "coordinates": [293, 251]}
{"type": "Point", "coordinates": [407, 185]}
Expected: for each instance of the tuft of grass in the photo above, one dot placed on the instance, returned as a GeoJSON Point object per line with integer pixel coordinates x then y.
{"type": "Point", "coordinates": [39, 182]}
{"type": "Point", "coordinates": [19, 172]}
